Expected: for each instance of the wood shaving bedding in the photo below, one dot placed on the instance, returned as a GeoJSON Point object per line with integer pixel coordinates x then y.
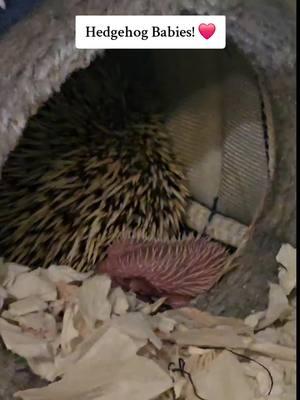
{"type": "Point", "coordinates": [92, 341]}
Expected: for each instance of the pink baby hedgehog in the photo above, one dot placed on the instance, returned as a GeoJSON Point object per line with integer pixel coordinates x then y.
{"type": "Point", "coordinates": [179, 269]}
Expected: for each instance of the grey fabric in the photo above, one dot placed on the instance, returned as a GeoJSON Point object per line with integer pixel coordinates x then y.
{"type": "Point", "coordinates": [15, 11]}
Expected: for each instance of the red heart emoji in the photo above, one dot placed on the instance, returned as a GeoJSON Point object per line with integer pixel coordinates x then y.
{"type": "Point", "coordinates": [207, 30]}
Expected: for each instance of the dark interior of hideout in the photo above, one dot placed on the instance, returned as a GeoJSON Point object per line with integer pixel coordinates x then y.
{"type": "Point", "coordinates": [147, 147]}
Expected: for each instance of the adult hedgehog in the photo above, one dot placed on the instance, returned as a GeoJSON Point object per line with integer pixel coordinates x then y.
{"type": "Point", "coordinates": [90, 165]}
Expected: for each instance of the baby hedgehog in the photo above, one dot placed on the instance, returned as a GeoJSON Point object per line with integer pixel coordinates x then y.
{"type": "Point", "coordinates": [179, 269]}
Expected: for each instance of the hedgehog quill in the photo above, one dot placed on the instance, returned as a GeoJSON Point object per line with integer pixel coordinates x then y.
{"type": "Point", "coordinates": [91, 165]}
{"type": "Point", "coordinates": [94, 166]}
{"type": "Point", "coordinates": [89, 197]}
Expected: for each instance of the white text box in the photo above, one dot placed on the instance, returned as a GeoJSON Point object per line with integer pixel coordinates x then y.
{"type": "Point", "coordinates": [150, 32]}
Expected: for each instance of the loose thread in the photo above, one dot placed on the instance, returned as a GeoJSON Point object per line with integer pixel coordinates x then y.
{"type": "Point", "coordinates": [184, 373]}
{"type": "Point", "coordinates": [211, 215]}
{"type": "Point", "coordinates": [181, 369]}
{"type": "Point", "coordinates": [257, 362]}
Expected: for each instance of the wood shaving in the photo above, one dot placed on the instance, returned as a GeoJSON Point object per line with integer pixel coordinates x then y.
{"type": "Point", "coordinates": [91, 341]}
{"type": "Point", "coordinates": [68, 293]}
{"type": "Point", "coordinates": [93, 301]}
{"type": "Point", "coordinates": [65, 274]}
{"type": "Point", "coordinates": [137, 326]}
{"type": "Point", "coordinates": [119, 301]}
{"type": "Point", "coordinates": [28, 305]}
{"type": "Point", "coordinates": [3, 296]}
{"type": "Point", "coordinates": [11, 270]}
{"type": "Point", "coordinates": [33, 283]}
{"type": "Point", "coordinates": [287, 275]}
{"type": "Point", "coordinates": [278, 307]}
